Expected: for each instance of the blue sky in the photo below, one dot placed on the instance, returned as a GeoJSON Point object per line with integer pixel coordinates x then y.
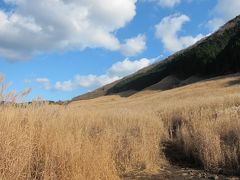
{"type": "Point", "coordinates": [64, 48]}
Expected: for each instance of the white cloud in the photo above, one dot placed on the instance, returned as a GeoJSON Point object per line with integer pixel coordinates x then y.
{"type": "Point", "coordinates": [45, 82]}
{"type": "Point", "coordinates": [90, 82]}
{"type": "Point", "coordinates": [134, 46]}
{"type": "Point", "coordinates": [167, 31]}
{"type": "Point", "coordinates": [63, 86]}
{"type": "Point", "coordinates": [215, 23]}
{"type": "Point", "coordinates": [126, 67]}
{"type": "Point", "coordinates": [41, 26]}
{"type": "Point", "coordinates": [189, 40]}
{"type": "Point", "coordinates": [42, 80]}
{"type": "Point", "coordinates": [224, 11]}
{"type": "Point", "coordinates": [168, 3]}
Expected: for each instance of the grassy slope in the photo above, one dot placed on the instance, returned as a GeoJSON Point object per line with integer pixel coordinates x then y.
{"type": "Point", "coordinates": [206, 113]}
{"type": "Point", "coordinates": [215, 55]}
{"type": "Point", "coordinates": [110, 137]}
{"type": "Point", "coordinates": [211, 88]}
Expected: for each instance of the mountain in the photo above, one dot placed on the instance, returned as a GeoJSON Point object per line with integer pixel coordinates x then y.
{"type": "Point", "coordinates": [102, 91]}
{"type": "Point", "coordinates": [217, 54]}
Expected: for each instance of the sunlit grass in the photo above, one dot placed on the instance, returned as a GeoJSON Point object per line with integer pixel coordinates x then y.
{"type": "Point", "coordinates": [109, 137]}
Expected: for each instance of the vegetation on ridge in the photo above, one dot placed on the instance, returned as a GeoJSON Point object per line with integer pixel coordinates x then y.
{"type": "Point", "coordinates": [217, 54]}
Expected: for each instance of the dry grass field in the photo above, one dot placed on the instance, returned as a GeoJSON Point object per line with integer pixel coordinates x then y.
{"type": "Point", "coordinates": [111, 137]}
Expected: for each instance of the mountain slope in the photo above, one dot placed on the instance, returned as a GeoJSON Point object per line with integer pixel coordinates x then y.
{"type": "Point", "coordinates": [215, 55]}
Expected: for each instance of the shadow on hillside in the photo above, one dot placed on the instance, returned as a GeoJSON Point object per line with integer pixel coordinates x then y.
{"type": "Point", "coordinates": [127, 93]}
{"type": "Point", "coordinates": [169, 83]}
{"type": "Point", "coordinates": [234, 82]}
{"type": "Point", "coordinates": [228, 84]}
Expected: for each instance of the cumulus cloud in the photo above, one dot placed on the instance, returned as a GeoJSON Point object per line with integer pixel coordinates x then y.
{"type": "Point", "coordinates": [126, 67]}
{"type": "Point", "coordinates": [134, 46]}
{"type": "Point", "coordinates": [90, 82]}
{"type": "Point", "coordinates": [41, 26]}
{"type": "Point", "coordinates": [224, 11]}
{"type": "Point", "coordinates": [167, 31]}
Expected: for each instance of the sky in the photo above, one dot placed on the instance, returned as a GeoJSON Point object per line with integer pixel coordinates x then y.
{"type": "Point", "coordinates": [63, 48]}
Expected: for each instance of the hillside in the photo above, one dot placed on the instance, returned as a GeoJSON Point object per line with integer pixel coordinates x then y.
{"type": "Point", "coordinates": [199, 133]}
{"type": "Point", "coordinates": [102, 91]}
{"type": "Point", "coordinates": [214, 55]}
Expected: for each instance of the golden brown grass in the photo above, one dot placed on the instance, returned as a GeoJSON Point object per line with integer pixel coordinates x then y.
{"type": "Point", "coordinates": [53, 142]}
{"type": "Point", "coordinates": [109, 137]}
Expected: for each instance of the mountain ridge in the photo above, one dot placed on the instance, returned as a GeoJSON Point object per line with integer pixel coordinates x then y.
{"type": "Point", "coordinates": [216, 54]}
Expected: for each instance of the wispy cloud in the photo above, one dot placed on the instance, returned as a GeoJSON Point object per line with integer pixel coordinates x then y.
{"type": "Point", "coordinates": [167, 3]}
{"type": "Point", "coordinates": [222, 12]}
{"type": "Point", "coordinates": [91, 81]}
